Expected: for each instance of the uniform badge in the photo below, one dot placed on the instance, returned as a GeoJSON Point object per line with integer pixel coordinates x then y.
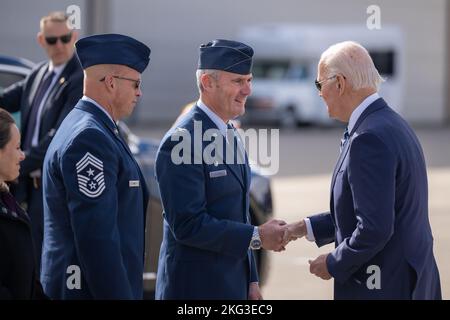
{"type": "Point", "coordinates": [134, 183]}
{"type": "Point", "coordinates": [91, 181]}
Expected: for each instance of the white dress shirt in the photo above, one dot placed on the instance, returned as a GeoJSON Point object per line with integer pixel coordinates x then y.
{"type": "Point", "coordinates": [214, 118]}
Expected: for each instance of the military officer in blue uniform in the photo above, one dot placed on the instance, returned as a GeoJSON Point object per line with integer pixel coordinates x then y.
{"type": "Point", "coordinates": [95, 196]}
{"type": "Point", "coordinates": [208, 238]}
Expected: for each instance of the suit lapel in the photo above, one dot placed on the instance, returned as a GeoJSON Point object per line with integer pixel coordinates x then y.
{"type": "Point", "coordinates": [340, 161]}
{"type": "Point", "coordinates": [245, 167]}
{"type": "Point", "coordinates": [247, 173]}
{"type": "Point", "coordinates": [35, 85]}
{"type": "Point", "coordinates": [60, 84]}
{"type": "Point", "coordinates": [237, 171]}
{"type": "Point", "coordinates": [373, 107]}
{"type": "Point", "coordinates": [37, 80]}
{"type": "Point", "coordinates": [141, 176]}
{"type": "Point", "coordinates": [247, 178]}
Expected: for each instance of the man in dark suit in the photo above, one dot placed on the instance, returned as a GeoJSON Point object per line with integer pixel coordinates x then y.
{"type": "Point", "coordinates": [95, 196]}
{"type": "Point", "coordinates": [44, 98]}
{"type": "Point", "coordinates": [379, 196]}
{"type": "Point", "coordinates": [208, 238]}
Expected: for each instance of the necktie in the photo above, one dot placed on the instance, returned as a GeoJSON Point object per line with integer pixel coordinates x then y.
{"type": "Point", "coordinates": [344, 139]}
{"type": "Point", "coordinates": [238, 146]}
{"type": "Point", "coordinates": [34, 109]}
{"type": "Point", "coordinates": [239, 152]}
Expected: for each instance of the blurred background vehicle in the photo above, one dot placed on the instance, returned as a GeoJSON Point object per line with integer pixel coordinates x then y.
{"type": "Point", "coordinates": [144, 150]}
{"type": "Point", "coordinates": [285, 67]}
{"type": "Point", "coordinates": [13, 70]}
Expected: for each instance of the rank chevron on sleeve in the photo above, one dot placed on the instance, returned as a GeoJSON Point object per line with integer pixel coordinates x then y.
{"type": "Point", "coordinates": [91, 181]}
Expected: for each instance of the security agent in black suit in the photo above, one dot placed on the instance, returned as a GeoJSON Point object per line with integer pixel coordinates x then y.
{"type": "Point", "coordinates": [44, 99]}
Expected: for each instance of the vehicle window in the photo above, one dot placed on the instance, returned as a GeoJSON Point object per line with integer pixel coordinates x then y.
{"type": "Point", "coordinates": [384, 62]}
{"type": "Point", "coordinates": [270, 69]}
{"type": "Point", "coordinates": [8, 78]}
{"type": "Point", "coordinates": [297, 72]}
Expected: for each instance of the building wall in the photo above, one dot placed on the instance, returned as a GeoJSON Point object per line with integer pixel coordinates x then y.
{"type": "Point", "coordinates": [19, 25]}
{"type": "Point", "coordinates": [175, 29]}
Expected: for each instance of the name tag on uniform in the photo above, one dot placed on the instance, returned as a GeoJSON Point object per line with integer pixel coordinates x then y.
{"type": "Point", "coordinates": [218, 173]}
{"type": "Point", "coordinates": [134, 183]}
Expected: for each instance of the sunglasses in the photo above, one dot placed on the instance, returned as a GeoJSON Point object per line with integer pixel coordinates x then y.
{"type": "Point", "coordinates": [64, 39]}
{"type": "Point", "coordinates": [319, 83]}
{"type": "Point", "coordinates": [137, 83]}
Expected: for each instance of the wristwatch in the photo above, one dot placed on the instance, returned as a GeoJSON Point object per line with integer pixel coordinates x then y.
{"type": "Point", "coordinates": [255, 243]}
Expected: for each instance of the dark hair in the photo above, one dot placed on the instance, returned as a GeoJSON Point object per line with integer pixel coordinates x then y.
{"type": "Point", "coordinates": [6, 120]}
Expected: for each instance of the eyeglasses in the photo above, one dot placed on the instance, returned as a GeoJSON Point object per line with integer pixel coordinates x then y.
{"type": "Point", "coordinates": [64, 39]}
{"type": "Point", "coordinates": [319, 83]}
{"type": "Point", "coordinates": [137, 83]}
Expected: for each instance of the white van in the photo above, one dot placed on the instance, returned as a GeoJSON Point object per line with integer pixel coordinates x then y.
{"type": "Point", "coordinates": [285, 67]}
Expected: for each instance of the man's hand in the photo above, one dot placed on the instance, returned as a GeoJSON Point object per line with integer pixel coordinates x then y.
{"type": "Point", "coordinates": [319, 267]}
{"type": "Point", "coordinates": [294, 231]}
{"type": "Point", "coordinates": [254, 293]}
{"type": "Point", "coordinates": [272, 234]}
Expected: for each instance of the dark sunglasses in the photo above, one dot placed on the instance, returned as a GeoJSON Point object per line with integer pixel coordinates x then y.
{"type": "Point", "coordinates": [137, 83]}
{"type": "Point", "coordinates": [64, 39]}
{"type": "Point", "coordinates": [319, 83]}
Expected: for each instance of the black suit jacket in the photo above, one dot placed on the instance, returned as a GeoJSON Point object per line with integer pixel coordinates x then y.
{"type": "Point", "coordinates": [18, 270]}
{"type": "Point", "coordinates": [64, 95]}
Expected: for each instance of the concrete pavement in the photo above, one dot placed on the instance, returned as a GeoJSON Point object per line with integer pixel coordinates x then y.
{"type": "Point", "coordinates": [298, 194]}
{"type": "Point", "coordinates": [297, 197]}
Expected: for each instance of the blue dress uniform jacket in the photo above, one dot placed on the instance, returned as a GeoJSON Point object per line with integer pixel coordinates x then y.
{"type": "Point", "coordinates": [63, 96]}
{"type": "Point", "coordinates": [94, 211]}
{"type": "Point", "coordinates": [205, 250]}
{"type": "Point", "coordinates": [379, 213]}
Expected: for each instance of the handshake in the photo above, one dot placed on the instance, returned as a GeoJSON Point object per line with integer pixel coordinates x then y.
{"type": "Point", "coordinates": [276, 234]}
